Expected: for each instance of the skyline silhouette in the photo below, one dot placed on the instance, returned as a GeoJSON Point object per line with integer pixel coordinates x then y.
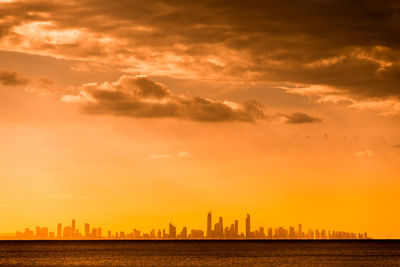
{"type": "Point", "coordinates": [212, 231]}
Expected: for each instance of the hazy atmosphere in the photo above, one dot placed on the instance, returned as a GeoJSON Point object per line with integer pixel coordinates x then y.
{"type": "Point", "coordinates": [140, 113]}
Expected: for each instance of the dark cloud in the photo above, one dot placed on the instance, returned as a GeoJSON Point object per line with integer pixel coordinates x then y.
{"type": "Point", "coordinates": [397, 146]}
{"type": "Point", "coordinates": [352, 46]}
{"type": "Point", "coordinates": [141, 97]}
{"type": "Point", "coordinates": [11, 78]}
{"type": "Point", "coordinates": [299, 117]}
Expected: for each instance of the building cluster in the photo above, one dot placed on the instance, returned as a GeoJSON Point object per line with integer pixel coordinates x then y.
{"type": "Point", "coordinates": [216, 231]}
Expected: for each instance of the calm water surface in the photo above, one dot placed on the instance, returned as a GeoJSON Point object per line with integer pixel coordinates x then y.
{"type": "Point", "coordinates": [200, 253]}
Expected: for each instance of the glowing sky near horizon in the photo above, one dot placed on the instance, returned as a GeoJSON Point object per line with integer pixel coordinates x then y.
{"type": "Point", "coordinates": [132, 114]}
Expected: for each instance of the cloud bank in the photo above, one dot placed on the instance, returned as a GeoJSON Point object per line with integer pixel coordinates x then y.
{"type": "Point", "coordinates": [352, 46]}
{"type": "Point", "coordinates": [138, 96]}
{"type": "Point", "coordinates": [348, 48]}
{"type": "Point", "coordinates": [141, 97]}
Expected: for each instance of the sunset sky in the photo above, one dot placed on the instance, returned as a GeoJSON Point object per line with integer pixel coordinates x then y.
{"type": "Point", "coordinates": [134, 114]}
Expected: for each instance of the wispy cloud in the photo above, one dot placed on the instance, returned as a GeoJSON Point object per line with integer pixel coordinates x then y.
{"type": "Point", "coordinates": [12, 78]}
{"type": "Point", "coordinates": [364, 154]}
{"type": "Point", "coordinates": [64, 196]}
{"type": "Point", "coordinates": [182, 154]}
{"type": "Point", "coordinates": [299, 117]}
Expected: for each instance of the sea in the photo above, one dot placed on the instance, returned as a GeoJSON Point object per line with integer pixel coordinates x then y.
{"type": "Point", "coordinates": [201, 253]}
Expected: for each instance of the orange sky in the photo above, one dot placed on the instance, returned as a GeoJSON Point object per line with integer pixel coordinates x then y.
{"type": "Point", "coordinates": [132, 114]}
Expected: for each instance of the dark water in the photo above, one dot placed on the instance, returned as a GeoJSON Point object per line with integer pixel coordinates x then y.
{"type": "Point", "coordinates": [200, 253]}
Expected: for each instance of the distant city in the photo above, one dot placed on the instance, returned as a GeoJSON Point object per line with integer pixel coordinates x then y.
{"type": "Point", "coordinates": [213, 231]}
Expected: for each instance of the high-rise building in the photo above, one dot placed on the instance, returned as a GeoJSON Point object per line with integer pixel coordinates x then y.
{"type": "Point", "coordinates": [184, 232]}
{"type": "Point", "coordinates": [94, 233]}
{"type": "Point", "coordinates": [270, 233]}
{"type": "Point", "coordinates": [73, 231]}
{"type": "Point", "coordinates": [67, 232]}
{"type": "Point", "coordinates": [172, 231]}
{"type": "Point", "coordinates": [99, 235]}
{"type": "Point", "coordinates": [136, 233]}
{"type": "Point", "coordinates": [261, 232]}
{"type": "Point", "coordinates": [44, 233]}
{"type": "Point", "coordinates": [209, 225]}
{"type": "Point", "coordinates": [310, 234]}
{"type": "Point", "coordinates": [300, 231]}
{"type": "Point", "coordinates": [221, 227]}
{"type": "Point", "coordinates": [87, 230]}
{"type": "Point", "coordinates": [229, 232]}
{"type": "Point", "coordinates": [196, 233]}
{"type": "Point", "coordinates": [323, 234]}
{"type": "Point", "coordinates": [317, 235]}
{"type": "Point", "coordinates": [236, 228]}
{"type": "Point", "coordinates": [59, 231]}
{"type": "Point", "coordinates": [248, 233]}
{"type": "Point", "coordinates": [291, 232]}
{"type": "Point", "coordinates": [216, 230]}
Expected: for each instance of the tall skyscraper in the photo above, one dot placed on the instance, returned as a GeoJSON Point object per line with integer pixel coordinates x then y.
{"type": "Point", "coordinates": [184, 232]}
{"type": "Point", "coordinates": [87, 230]}
{"type": "Point", "coordinates": [209, 225]}
{"type": "Point", "coordinates": [236, 228]}
{"type": "Point", "coordinates": [94, 233]}
{"type": "Point", "coordinates": [221, 227]}
{"type": "Point", "coordinates": [270, 233]}
{"type": "Point", "coordinates": [300, 231]}
{"type": "Point", "coordinates": [73, 229]}
{"type": "Point", "coordinates": [59, 231]}
{"type": "Point", "coordinates": [172, 231]}
{"type": "Point", "coordinates": [317, 235]}
{"type": "Point", "coordinates": [248, 233]}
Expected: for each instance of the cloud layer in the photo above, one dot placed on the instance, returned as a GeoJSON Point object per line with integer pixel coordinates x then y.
{"type": "Point", "coordinates": [138, 96]}
{"type": "Point", "coordinates": [350, 48]}
{"type": "Point", "coordinates": [141, 97]}
{"type": "Point", "coordinates": [299, 117]}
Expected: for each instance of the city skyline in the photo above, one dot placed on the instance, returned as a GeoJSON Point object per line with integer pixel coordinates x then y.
{"type": "Point", "coordinates": [216, 231]}
{"type": "Point", "coordinates": [150, 111]}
